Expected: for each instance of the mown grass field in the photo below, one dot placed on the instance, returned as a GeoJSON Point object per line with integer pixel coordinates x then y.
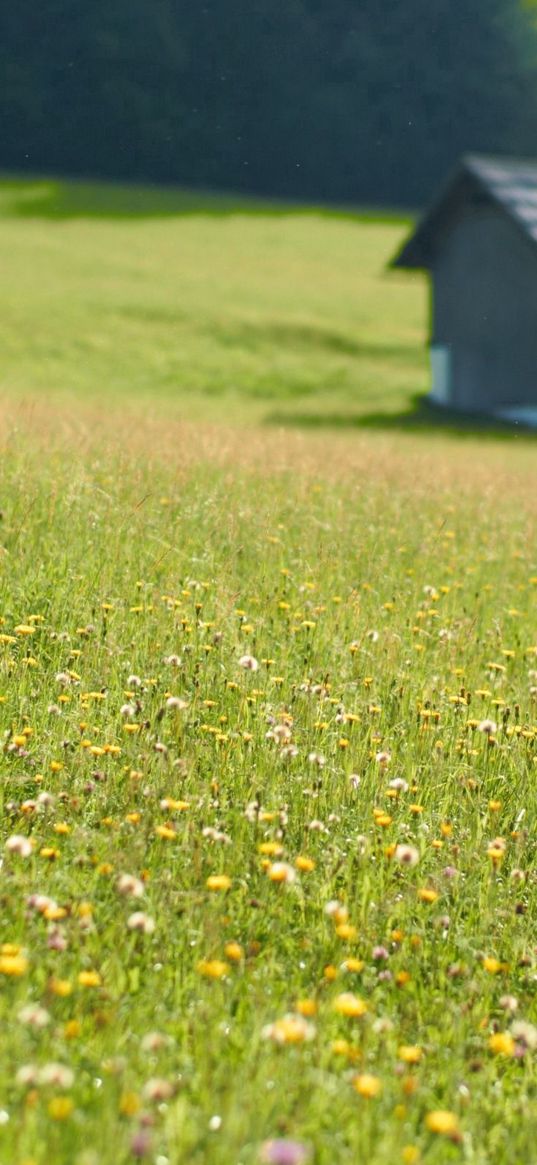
{"type": "Point", "coordinates": [268, 703]}
{"type": "Point", "coordinates": [222, 308]}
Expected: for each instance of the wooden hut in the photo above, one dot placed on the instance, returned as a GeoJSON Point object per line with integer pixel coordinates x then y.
{"type": "Point", "coordinates": [479, 243]}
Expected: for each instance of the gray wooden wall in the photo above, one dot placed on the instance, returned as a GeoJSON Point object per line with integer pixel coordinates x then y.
{"type": "Point", "coordinates": [484, 307]}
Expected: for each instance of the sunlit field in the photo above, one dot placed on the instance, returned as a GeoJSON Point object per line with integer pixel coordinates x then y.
{"type": "Point", "coordinates": [269, 714]}
{"type": "Point", "coordinates": [222, 308]}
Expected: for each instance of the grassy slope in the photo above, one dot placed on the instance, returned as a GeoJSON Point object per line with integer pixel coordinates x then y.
{"type": "Point", "coordinates": [122, 548]}
{"type": "Point", "coordinates": [225, 309]}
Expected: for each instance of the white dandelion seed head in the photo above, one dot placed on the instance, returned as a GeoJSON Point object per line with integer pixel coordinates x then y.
{"type": "Point", "coordinates": [141, 922]}
{"type": "Point", "coordinates": [17, 844]}
{"type": "Point", "coordinates": [249, 663]}
{"type": "Point", "coordinates": [406, 855]}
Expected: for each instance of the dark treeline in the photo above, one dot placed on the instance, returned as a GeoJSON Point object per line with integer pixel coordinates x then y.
{"type": "Point", "coordinates": [352, 101]}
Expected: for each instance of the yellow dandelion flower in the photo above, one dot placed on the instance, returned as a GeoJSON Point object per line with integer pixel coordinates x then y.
{"type": "Point", "coordinates": [346, 931]}
{"type": "Point", "coordinates": [60, 987]}
{"type": "Point", "coordinates": [353, 965]}
{"type": "Point", "coordinates": [492, 965]}
{"type": "Point", "coordinates": [367, 1085]}
{"type": "Point", "coordinates": [234, 952]}
{"type": "Point", "coordinates": [290, 1029]}
{"type": "Point", "coordinates": [350, 1005]}
{"type": "Point", "coordinates": [166, 832]}
{"type": "Point", "coordinates": [410, 1155]}
{"type": "Point", "coordinates": [443, 1122]}
{"type": "Point", "coordinates": [306, 1007]}
{"type": "Point", "coordinates": [89, 979]}
{"type": "Point", "coordinates": [60, 1108]}
{"type": "Point", "coordinates": [304, 864]}
{"type": "Point", "coordinates": [213, 968]}
{"type": "Point", "coordinates": [218, 882]}
{"type": "Point", "coordinates": [13, 965]}
{"type": "Point", "coordinates": [425, 894]}
{"type": "Point", "coordinates": [502, 1044]}
{"type": "Point", "coordinates": [409, 1053]}
{"type": "Point", "coordinates": [129, 1103]}
{"type": "Point", "coordinates": [346, 1049]}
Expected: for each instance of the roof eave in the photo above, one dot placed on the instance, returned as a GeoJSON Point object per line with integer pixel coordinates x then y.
{"type": "Point", "coordinates": [417, 252]}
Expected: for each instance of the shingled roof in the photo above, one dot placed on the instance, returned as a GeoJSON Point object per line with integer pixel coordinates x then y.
{"type": "Point", "coordinates": [507, 183]}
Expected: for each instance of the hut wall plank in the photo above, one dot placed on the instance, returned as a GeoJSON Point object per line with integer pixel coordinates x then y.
{"type": "Point", "coordinates": [484, 308]}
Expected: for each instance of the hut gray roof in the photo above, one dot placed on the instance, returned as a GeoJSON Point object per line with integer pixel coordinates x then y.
{"type": "Point", "coordinates": [506, 183]}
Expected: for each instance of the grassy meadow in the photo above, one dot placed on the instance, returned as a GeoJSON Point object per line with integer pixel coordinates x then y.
{"type": "Point", "coordinates": [221, 308]}
{"type": "Point", "coordinates": [268, 705]}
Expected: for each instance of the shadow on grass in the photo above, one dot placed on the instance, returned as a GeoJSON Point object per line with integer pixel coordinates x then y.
{"type": "Point", "coordinates": [421, 417]}
{"type": "Point", "coordinates": [36, 196]}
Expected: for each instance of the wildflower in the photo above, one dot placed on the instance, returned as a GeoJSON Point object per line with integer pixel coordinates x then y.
{"type": "Point", "coordinates": [270, 848]}
{"type": "Point", "coordinates": [353, 965]}
{"type": "Point", "coordinates": [234, 952]}
{"type": "Point", "coordinates": [525, 1034]}
{"type": "Point", "coordinates": [129, 1103]}
{"type": "Point", "coordinates": [346, 931]}
{"type": "Point", "coordinates": [284, 1152]}
{"type": "Point", "coordinates": [213, 968]}
{"type": "Point", "coordinates": [306, 1007]}
{"type": "Point", "coordinates": [367, 1085]}
{"type": "Point", "coordinates": [18, 844]}
{"type": "Point", "coordinates": [218, 882]}
{"type": "Point", "coordinates": [141, 922]}
{"type": "Point", "coordinates": [290, 1029]}
{"type": "Point", "coordinates": [60, 987]}
{"type": "Point", "coordinates": [281, 872]}
{"type": "Point", "coordinates": [489, 727]}
{"type": "Point", "coordinates": [350, 1005]}
{"type": "Point", "coordinates": [175, 703]}
{"type": "Point", "coordinates": [426, 894]}
{"type": "Point", "coordinates": [58, 1075]}
{"type": "Point", "coordinates": [304, 864]}
{"type": "Point", "coordinates": [410, 1155]}
{"type": "Point", "coordinates": [13, 965]}
{"type": "Point", "coordinates": [492, 965]}
{"type": "Point", "coordinates": [56, 940]}
{"type": "Point", "coordinates": [336, 910]}
{"type": "Point", "coordinates": [166, 832]}
{"type": "Point", "coordinates": [60, 1108]}
{"type": "Point", "coordinates": [157, 1090]}
{"type": "Point", "coordinates": [27, 1075]}
{"type": "Point", "coordinates": [443, 1122]}
{"type": "Point", "coordinates": [34, 1015]}
{"type": "Point", "coordinates": [154, 1041]}
{"type": "Point", "coordinates": [89, 979]}
{"type": "Point", "coordinates": [141, 1143]}
{"type": "Point", "coordinates": [406, 855]}
{"type": "Point", "coordinates": [502, 1044]}
{"type": "Point", "coordinates": [508, 1003]}
{"type": "Point", "coordinates": [249, 663]}
{"type": "Point", "coordinates": [409, 1053]}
